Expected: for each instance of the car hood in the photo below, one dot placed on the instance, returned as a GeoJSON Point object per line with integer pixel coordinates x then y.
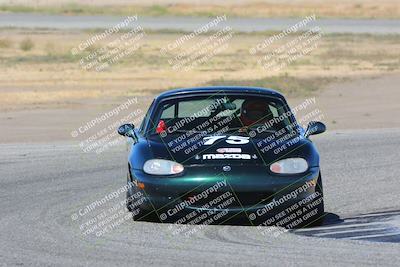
{"type": "Point", "coordinates": [231, 149]}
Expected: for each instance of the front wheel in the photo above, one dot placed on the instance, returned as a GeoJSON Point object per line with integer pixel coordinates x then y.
{"type": "Point", "coordinates": [138, 214]}
{"type": "Point", "coordinates": [319, 217]}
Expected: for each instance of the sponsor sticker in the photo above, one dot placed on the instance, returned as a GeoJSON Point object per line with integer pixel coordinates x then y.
{"type": "Point", "coordinates": [226, 156]}
{"type": "Point", "coordinates": [229, 150]}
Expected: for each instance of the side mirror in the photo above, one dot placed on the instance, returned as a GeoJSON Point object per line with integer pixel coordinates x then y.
{"type": "Point", "coordinates": [127, 130]}
{"type": "Point", "coordinates": [315, 127]}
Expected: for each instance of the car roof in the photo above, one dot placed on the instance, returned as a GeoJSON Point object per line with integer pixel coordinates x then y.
{"type": "Point", "coordinates": [222, 89]}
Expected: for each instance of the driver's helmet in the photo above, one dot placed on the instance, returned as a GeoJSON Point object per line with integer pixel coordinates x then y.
{"type": "Point", "coordinates": [254, 111]}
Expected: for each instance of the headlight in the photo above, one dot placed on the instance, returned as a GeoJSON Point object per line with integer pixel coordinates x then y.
{"type": "Point", "coordinates": [289, 166]}
{"type": "Point", "coordinates": [162, 167]}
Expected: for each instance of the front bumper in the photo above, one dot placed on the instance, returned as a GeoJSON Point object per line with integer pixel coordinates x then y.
{"type": "Point", "coordinates": [240, 192]}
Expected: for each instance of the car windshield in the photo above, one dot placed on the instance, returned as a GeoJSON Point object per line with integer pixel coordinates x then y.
{"type": "Point", "coordinates": [217, 114]}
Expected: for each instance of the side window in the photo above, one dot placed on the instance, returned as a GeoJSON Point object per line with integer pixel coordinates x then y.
{"type": "Point", "coordinates": [238, 104]}
{"type": "Point", "coordinates": [189, 108]}
{"type": "Point", "coordinates": [146, 119]}
{"type": "Point", "coordinates": [168, 112]}
{"type": "Point", "coordinates": [274, 111]}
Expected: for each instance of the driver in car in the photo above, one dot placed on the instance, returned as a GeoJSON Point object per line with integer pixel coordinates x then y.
{"type": "Point", "coordinates": [254, 111]}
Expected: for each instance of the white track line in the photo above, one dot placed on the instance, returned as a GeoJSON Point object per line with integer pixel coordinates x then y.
{"type": "Point", "coordinates": [372, 236]}
{"type": "Point", "coordinates": [351, 231]}
{"type": "Point", "coordinates": [380, 214]}
{"type": "Point", "coordinates": [339, 226]}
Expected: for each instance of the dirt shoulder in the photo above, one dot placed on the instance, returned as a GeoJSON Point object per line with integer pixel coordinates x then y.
{"type": "Point", "coordinates": [46, 93]}
{"type": "Point", "coordinates": [364, 103]}
{"type": "Point", "coordinates": [46, 73]}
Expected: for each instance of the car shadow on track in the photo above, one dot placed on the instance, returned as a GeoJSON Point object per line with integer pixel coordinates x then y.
{"type": "Point", "coordinates": [375, 227]}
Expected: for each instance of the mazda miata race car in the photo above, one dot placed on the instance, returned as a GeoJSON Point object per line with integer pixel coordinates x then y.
{"type": "Point", "coordinates": [212, 155]}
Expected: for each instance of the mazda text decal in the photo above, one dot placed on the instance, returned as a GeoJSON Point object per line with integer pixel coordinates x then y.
{"type": "Point", "coordinates": [226, 156]}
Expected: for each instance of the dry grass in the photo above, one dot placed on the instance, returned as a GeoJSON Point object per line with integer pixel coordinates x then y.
{"type": "Point", "coordinates": [50, 74]}
{"type": "Point", "coordinates": [26, 44]}
{"type": "Point", "coordinates": [261, 8]}
{"type": "Point", "coordinates": [5, 43]}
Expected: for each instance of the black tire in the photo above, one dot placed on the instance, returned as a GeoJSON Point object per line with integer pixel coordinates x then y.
{"type": "Point", "coordinates": [138, 214]}
{"type": "Point", "coordinates": [319, 218]}
{"type": "Point", "coordinates": [128, 193]}
{"type": "Point", "coordinates": [143, 215]}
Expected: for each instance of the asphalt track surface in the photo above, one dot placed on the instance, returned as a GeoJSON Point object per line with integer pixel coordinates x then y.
{"type": "Point", "coordinates": [372, 26]}
{"type": "Point", "coordinates": [43, 185]}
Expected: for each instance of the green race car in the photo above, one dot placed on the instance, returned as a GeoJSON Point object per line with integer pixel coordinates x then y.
{"type": "Point", "coordinates": [218, 154]}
